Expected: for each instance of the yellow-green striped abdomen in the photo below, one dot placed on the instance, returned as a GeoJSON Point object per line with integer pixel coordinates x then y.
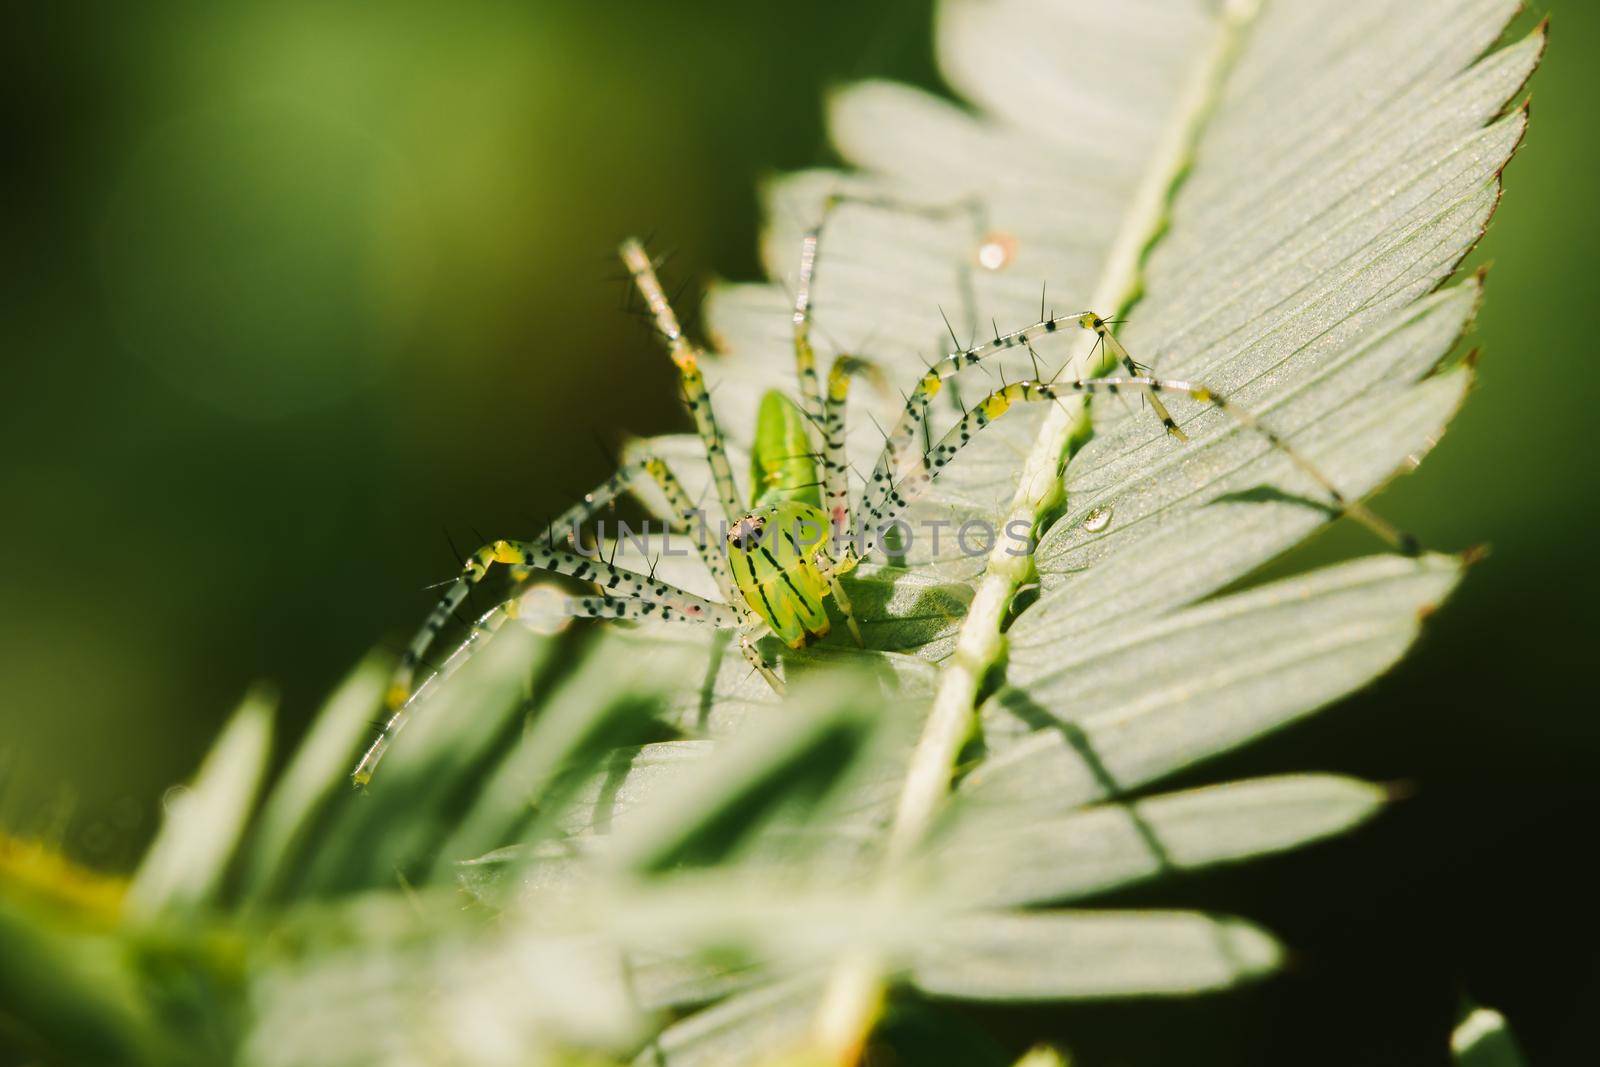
{"type": "Point", "coordinates": [773, 552]}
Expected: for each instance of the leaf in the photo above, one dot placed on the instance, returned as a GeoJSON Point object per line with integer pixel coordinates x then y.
{"type": "Point", "coordinates": [73, 992]}
{"type": "Point", "coordinates": [1320, 320]}
{"type": "Point", "coordinates": [1482, 1039]}
{"type": "Point", "coordinates": [425, 784]}
{"type": "Point", "coordinates": [1059, 955]}
{"type": "Point", "coordinates": [609, 702]}
{"type": "Point", "coordinates": [420, 985]}
{"type": "Point", "coordinates": [1030, 854]}
{"type": "Point", "coordinates": [1273, 195]}
{"type": "Point", "coordinates": [755, 1027]}
{"type": "Point", "coordinates": [1148, 699]}
{"type": "Point", "coordinates": [184, 867]}
{"type": "Point", "coordinates": [788, 761]}
{"type": "Point", "coordinates": [1229, 506]}
{"type": "Point", "coordinates": [318, 771]}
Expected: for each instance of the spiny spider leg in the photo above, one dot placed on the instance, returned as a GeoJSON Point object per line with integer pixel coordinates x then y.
{"type": "Point", "coordinates": [804, 355]}
{"type": "Point", "coordinates": [897, 450]}
{"type": "Point", "coordinates": [696, 397]}
{"type": "Point", "coordinates": [534, 555]}
{"type": "Point", "coordinates": [916, 481]}
{"type": "Point", "coordinates": [486, 625]}
{"type": "Point", "coordinates": [691, 519]}
{"type": "Point", "coordinates": [835, 461]}
{"type": "Point", "coordinates": [584, 566]}
{"type": "Point", "coordinates": [625, 594]}
{"type": "Point", "coordinates": [1116, 351]}
{"type": "Point", "coordinates": [551, 606]}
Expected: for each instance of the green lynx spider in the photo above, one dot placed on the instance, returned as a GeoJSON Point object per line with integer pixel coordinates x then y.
{"type": "Point", "coordinates": [783, 557]}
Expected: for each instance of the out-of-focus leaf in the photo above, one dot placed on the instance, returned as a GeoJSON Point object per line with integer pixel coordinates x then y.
{"type": "Point", "coordinates": [763, 1025]}
{"type": "Point", "coordinates": [1483, 1039]}
{"type": "Point", "coordinates": [778, 764]}
{"type": "Point", "coordinates": [72, 993]}
{"type": "Point", "coordinates": [421, 984]}
{"type": "Point", "coordinates": [1006, 854]}
{"type": "Point", "coordinates": [432, 772]}
{"type": "Point", "coordinates": [609, 703]}
{"type": "Point", "coordinates": [1061, 955]}
{"type": "Point", "coordinates": [319, 770]}
{"type": "Point", "coordinates": [186, 863]}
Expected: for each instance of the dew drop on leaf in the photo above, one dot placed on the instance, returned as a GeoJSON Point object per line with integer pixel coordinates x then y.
{"type": "Point", "coordinates": [1097, 519]}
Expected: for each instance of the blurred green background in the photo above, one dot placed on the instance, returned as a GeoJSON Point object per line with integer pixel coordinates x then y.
{"type": "Point", "coordinates": [297, 291]}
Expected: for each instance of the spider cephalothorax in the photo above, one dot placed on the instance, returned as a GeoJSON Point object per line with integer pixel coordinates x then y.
{"type": "Point", "coordinates": [782, 558]}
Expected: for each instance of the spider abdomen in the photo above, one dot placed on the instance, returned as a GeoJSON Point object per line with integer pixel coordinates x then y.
{"type": "Point", "coordinates": [774, 554]}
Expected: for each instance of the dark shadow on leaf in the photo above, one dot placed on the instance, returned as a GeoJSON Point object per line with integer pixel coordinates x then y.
{"type": "Point", "coordinates": [1023, 706]}
{"type": "Point", "coordinates": [1271, 494]}
{"type": "Point", "coordinates": [1020, 704]}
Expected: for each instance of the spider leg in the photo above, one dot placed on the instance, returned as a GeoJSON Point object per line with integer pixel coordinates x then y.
{"type": "Point", "coordinates": [898, 451]}
{"type": "Point", "coordinates": [748, 635]}
{"type": "Point", "coordinates": [843, 601]}
{"type": "Point", "coordinates": [921, 475]}
{"type": "Point", "coordinates": [540, 604]}
{"type": "Point", "coordinates": [805, 356]}
{"type": "Point", "coordinates": [614, 582]}
{"type": "Point", "coordinates": [835, 460]}
{"type": "Point", "coordinates": [1116, 351]}
{"type": "Point", "coordinates": [696, 397]}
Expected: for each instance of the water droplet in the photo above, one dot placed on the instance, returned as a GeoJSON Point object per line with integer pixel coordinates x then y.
{"type": "Point", "coordinates": [997, 251]}
{"type": "Point", "coordinates": [1097, 519]}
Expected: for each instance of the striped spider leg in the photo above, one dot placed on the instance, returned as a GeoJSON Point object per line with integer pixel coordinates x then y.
{"type": "Point", "coordinates": [901, 475]}
{"type": "Point", "coordinates": [620, 593]}
{"type": "Point", "coordinates": [971, 210]}
{"type": "Point", "coordinates": [897, 452]}
{"type": "Point", "coordinates": [625, 594]}
{"type": "Point", "coordinates": [915, 480]}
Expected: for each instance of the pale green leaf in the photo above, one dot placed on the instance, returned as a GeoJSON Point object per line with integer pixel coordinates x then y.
{"type": "Point", "coordinates": [185, 865]}
{"type": "Point", "coordinates": [441, 990]}
{"type": "Point", "coordinates": [1060, 955]}
{"type": "Point", "coordinates": [761, 1025]}
{"type": "Point", "coordinates": [1027, 854]}
{"type": "Point", "coordinates": [394, 826]}
{"type": "Point", "coordinates": [1042, 1057]}
{"type": "Point", "coordinates": [1483, 1039]}
{"type": "Point", "coordinates": [1212, 171]}
{"type": "Point", "coordinates": [1274, 195]}
{"type": "Point", "coordinates": [793, 759]}
{"type": "Point", "coordinates": [1143, 700]}
{"type": "Point", "coordinates": [610, 702]}
{"type": "Point", "coordinates": [319, 770]}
